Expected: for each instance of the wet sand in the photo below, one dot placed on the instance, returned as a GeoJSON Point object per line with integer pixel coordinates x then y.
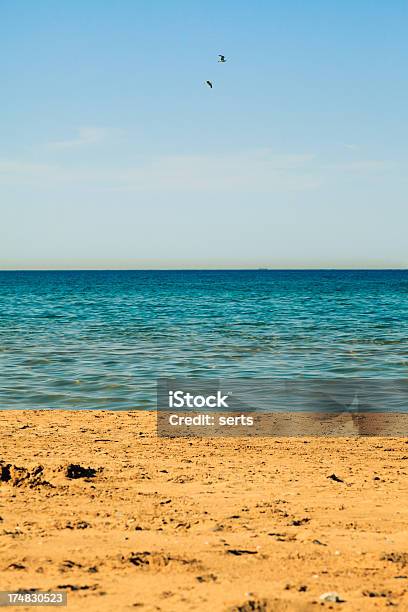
{"type": "Point", "coordinates": [266, 524]}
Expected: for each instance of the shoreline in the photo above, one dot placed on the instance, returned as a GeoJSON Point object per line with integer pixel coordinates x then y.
{"type": "Point", "coordinates": [198, 523]}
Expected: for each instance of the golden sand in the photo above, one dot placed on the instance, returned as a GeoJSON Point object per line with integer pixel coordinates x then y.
{"type": "Point", "coordinates": [265, 524]}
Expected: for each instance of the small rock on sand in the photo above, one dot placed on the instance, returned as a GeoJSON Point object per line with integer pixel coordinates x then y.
{"type": "Point", "coordinates": [332, 597]}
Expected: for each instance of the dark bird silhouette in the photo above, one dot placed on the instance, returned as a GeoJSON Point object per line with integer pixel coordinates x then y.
{"type": "Point", "coordinates": [209, 84]}
{"type": "Point", "coordinates": [222, 59]}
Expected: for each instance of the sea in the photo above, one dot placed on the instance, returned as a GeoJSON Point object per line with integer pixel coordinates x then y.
{"type": "Point", "coordinates": [101, 339]}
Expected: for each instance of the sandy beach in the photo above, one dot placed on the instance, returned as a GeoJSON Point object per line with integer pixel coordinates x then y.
{"type": "Point", "coordinates": [95, 504]}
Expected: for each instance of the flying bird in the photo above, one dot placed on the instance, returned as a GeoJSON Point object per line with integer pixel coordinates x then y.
{"type": "Point", "coordinates": [209, 84]}
{"type": "Point", "coordinates": [222, 59]}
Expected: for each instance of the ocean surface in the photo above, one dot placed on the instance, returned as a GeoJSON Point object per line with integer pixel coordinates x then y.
{"type": "Point", "coordinates": [100, 339]}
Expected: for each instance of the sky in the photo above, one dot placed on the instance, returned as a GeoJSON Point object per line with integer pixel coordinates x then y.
{"type": "Point", "coordinates": [115, 154]}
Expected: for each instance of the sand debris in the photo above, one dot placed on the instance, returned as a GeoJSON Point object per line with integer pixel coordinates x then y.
{"type": "Point", "coordinates": [252, 605]}
{"type": "Point", "coordinates": [239, 551]}
{"type": "Point", "coordinates": [335, 478]}
{"type": "Point", "coordinates": [74, 470]}
{"type": "Point", "coordinates": [401, 558]}
{"type": "Point", "coordinates": [78, 587]}
{"type": "Point", "coordinates": [22, 476]}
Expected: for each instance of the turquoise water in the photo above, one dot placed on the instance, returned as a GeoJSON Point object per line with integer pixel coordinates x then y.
{"type": "Point", "coordinates": [100, 339]}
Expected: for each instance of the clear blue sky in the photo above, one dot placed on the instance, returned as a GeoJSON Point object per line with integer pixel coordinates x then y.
{"type": "Point", "coordinates": [113, 152]}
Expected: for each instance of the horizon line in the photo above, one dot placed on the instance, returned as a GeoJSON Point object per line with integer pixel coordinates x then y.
{"type": "Point", "coordinates": [222, 269]}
